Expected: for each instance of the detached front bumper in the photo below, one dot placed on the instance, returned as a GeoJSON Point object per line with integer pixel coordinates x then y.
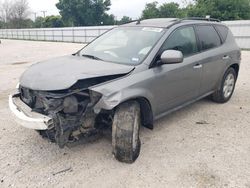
{"type": "Point", "coordinates": [26, 117]}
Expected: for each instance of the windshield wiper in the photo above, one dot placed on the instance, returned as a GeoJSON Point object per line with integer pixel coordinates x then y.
{"type": "Point", "coordinates": [92, 57]}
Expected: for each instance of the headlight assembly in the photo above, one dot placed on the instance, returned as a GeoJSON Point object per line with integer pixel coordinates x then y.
{"type": "Point", "coordinates": [18, 85]}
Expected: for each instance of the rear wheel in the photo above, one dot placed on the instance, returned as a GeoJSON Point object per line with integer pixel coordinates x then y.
{"type": "Point", "coordinates": [125, 132]}
{"type": "Point", "coordinates": [225, 92]}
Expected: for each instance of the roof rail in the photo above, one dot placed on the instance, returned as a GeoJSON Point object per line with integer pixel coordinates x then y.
{"type": "Point", "coordinates": [202, 19]}
{"type": "Point", "coordinates": [177, 21]}
{"type": "Point", "coordinates": [174, 23]}
{"type": "Point", "coordinates": [137, 21]}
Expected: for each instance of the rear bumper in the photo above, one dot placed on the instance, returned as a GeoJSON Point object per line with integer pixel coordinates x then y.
{"type": "Point", "coordinates": [26, 117]}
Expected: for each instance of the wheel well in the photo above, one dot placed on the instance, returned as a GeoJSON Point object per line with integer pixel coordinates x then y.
{"type": "Point", "coordinates": [146, 112]}
{"type": "Point", "coordinates": [236, 68]}
{"type": "Point", "coordinates": [147, 119]}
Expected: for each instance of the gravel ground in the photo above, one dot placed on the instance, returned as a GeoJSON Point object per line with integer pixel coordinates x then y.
{"type": "Point", "coordinates": [179, 152]}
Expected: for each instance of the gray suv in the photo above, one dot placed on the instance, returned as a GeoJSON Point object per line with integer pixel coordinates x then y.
{"type": "Point", "coordinates": [129, 77]}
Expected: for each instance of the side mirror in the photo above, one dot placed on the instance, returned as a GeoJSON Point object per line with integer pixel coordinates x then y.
{"type": "Point", "coordinates": [171, 57]}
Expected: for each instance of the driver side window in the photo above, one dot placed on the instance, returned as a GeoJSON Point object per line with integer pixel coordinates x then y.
{"type": "Point", "coordinates": [182, 39]}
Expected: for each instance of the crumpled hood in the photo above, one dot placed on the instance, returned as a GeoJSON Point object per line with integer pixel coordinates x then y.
{"type": "Point", "coordinates": [63, 72]}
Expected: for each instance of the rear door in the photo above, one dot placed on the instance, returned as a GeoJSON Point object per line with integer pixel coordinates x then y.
{"type": "Point", "coordinates": [214, 57]}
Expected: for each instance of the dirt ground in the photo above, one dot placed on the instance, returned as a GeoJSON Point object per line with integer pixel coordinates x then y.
{"type": "Point", "coordinates": [179, 152]}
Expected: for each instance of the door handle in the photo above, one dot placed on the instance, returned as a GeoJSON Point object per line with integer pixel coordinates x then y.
{"type": "Point", "coordinates": [198, 66]}
{"type": "Point", "coordinates": [225, 57]}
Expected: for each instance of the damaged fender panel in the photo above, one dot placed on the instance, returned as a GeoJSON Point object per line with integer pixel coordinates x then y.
{"type": "Point", "coordinates": [131, 87]}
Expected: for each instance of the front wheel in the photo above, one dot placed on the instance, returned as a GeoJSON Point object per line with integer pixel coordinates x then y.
{"type": "Point", "coordinates": [125, 132]}
{"type": "Point", "coordinates": [225, 92]}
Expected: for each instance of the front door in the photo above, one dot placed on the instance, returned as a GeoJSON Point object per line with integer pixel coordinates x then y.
{"type": "Point", "coordinates": [176, 84]}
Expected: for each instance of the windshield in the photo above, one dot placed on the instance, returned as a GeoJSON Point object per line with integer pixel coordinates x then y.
{"type": "Point", "coordinates": [124, 45]}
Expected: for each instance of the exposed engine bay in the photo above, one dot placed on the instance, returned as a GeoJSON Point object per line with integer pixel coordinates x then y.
{"type": "Point", "coordinates": [71, 111]}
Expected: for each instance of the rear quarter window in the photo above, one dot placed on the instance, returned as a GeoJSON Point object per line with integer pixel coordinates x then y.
{"type": "Point", "coordinates": [208, 37]}
{"type": "Point", "coordinates": [223, 30]}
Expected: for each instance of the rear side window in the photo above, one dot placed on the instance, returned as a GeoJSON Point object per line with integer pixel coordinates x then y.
{"type": "Point", "coordinates": [223, 30]}
{"type": "Point", "coordinates": [182, 39]}
{"type": "Point", "coordinates": [208, 37]}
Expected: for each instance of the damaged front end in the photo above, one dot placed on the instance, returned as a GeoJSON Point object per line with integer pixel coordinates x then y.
{"type": "Point", "coordinates": [65, 116]}
{"type": "Point", "coordinates": [57, 98]}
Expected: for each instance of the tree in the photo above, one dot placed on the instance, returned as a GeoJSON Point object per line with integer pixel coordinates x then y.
{"type": "Point", "coordinates": [48, 21]}
{"type": "Point", "coordinates": [19, 14]}
{"type": "Point", "coordinates": [20, 9]}
{"type": "Point", "coordinates": [124, 19]}
{"type": "Point", "coordinates": [108, 19]}
{"type": "Point", "coordinates": [166, 10]}
{"type": "Point", "coordinates": [38, 22]}
{"type": "Point", "coordinates": [2, 25]}
{"type": "Point", "coordinates": [151, 11]}
{"type": "Point", "coordinates": [222, 9]}
{"type": "Point", "coordinates": [6, 10]}
{"type": "Point", "coordinates": [1, 19]}
{"type": "Point", "coordinates": [15, 14]}
{"type": "Point", "coordinates": [83, 12]}
{"type": "Point", "coordinates": [53, 21]}
{"type": "Point", "coordinates": [171, 10]}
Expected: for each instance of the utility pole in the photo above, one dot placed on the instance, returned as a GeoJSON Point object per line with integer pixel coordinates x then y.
{"type": "Point", "coordinates": [44, 13]}
{"type": "Point", "coordinates": [116, 20]}
{"type": "Point", "coordinates": [35, 15]}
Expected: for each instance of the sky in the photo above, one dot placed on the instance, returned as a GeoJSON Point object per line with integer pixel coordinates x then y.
{"type": "Point", "coordinates": [119, 8]}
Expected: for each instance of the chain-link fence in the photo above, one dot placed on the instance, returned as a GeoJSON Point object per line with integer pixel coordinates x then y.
{"type": "Point", "coordinates": [67, 34]}
{"type": "Point", "coordinates": [241, 31]}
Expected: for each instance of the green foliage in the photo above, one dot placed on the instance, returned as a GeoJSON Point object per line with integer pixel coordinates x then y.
{"type": "Point", "coordinates": [2, 25]}
{"type": "Point", "coordinates": [27, 23]}
{"type": "Point", "coordinates": [84, 12]}
{"type": "Point", "coordinates": [166, 10]}
{"type": "Point", "coordinates": [53, 21]}
{"type": "Point", "coordinates": [220, 9]}
{"type": "Point", "coordinates": [124, 19]}
{"type": "Point", "coordinates": [151, 11]}
{"type": "Point", "coordinates": [38, 22]}
{"type": "Point", "coordinates": [108, 19]}
{"type": "Point", "coordinates": [48, 21]}
{"type": "Point", "coordinates": [171, 10]}
{"type": "Point", "coordinates": [19, 23]}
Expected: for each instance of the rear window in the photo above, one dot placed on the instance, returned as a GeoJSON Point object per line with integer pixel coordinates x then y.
{"type": "Point", "coordinates": [208, 37]}
{"type": "Point", "coordinates": [223, 30]}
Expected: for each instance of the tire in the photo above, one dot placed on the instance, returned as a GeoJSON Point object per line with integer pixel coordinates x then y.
{"type": "Point", "coordinates": [227, 86]}
{"type": "Point", "coordinates": [126, 143]}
